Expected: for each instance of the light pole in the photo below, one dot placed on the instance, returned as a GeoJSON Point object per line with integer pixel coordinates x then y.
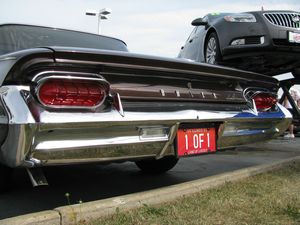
{"type": "Point", "coordinates": [102, 15]}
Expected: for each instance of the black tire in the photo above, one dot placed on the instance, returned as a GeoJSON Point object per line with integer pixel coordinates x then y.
{"type": "Point", "coordinates": [212, 53]}
{"type": "Point", "coordinates": [5, 177]}
{"type": "Point", "coordinates": [153, 166]}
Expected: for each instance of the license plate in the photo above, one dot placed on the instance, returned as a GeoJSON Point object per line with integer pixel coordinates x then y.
{"type": "Point", "coordinates": [294, 37]}
{"type": "Point", "coordinates": [196, 141]}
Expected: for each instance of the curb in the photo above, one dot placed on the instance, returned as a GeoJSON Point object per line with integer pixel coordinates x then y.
{"type": "Point", "coordinates": [48, 217]}
{"type": "Point", "coordinates": [85, 212]}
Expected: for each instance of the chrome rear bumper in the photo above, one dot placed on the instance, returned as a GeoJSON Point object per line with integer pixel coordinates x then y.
{"type": "Point", "coordinates": [52, 138]}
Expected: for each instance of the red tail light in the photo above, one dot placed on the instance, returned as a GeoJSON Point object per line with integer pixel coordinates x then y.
{"type": "Point", "coordinates": [58, 92]}
{"type": "Point", "coordinates": [264, 101]}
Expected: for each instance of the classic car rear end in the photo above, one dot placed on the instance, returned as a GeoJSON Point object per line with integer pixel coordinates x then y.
{"type": "Point", "coordinates": [68, 104]}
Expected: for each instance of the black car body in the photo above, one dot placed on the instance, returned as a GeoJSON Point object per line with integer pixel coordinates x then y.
{"type": "Point", "coordinates": [267, 42]}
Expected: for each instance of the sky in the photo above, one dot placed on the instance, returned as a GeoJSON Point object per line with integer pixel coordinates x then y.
{"type": "Point", "coordinates": [155, 27]}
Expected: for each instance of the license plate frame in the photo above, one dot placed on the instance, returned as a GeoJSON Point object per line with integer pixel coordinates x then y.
{"type": "Point", "coordinates": [195, 141]}
{"type": "Point", "coordinates": [293, 37]}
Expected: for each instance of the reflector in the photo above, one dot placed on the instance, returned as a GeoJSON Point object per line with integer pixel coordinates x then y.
{"type": "Point", "coordinates": [72, 93]}
{"type": "Point", "coordinates": [264, 101]}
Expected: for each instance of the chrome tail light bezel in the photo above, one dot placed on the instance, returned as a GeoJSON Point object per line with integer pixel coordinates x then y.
{"type": "Point", "coordinates": [40, 79]}
{"type": "Point", "coordinates": [251, 93]}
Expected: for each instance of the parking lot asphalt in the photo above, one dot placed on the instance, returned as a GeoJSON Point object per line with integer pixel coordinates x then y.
{"type": "Point", "coordinates": [95, 182]}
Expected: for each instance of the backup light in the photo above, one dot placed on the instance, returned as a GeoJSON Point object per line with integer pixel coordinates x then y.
{"type": "Point", "coordinates": [264, 101]}
{"type": "Point", "coordinates": [153, 133]}
{"type": "Point", "coordinates": [61, 92]}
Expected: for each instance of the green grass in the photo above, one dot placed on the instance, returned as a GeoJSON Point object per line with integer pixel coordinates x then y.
{"type": "Point", "coordinates": [270, 198]}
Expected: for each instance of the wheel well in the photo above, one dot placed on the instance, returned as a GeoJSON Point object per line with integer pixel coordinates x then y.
{"type": "Point", "coordinates": [211, 30]}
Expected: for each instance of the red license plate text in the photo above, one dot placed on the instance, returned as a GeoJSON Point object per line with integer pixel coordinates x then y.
{"type": "Point", "coordinates": [196, 141]}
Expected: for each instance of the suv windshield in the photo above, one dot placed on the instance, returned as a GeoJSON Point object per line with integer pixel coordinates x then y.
{"type": "Point", "coordinates": [19, 37]}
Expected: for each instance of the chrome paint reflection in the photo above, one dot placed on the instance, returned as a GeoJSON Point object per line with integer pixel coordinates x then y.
{"type": "Point", "coordinates": [14, 104]}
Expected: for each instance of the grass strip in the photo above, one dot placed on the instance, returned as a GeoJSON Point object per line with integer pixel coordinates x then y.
{"type": "Point", "coordinates": [270, 198]}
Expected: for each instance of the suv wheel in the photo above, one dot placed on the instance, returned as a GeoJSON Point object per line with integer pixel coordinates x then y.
{"type": "Point", "coordinates": [212, 49]}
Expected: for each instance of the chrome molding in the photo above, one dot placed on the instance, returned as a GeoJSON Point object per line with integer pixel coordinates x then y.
{"type": "Point", "coordinates": [118, 104]}
{"type": "Point", "coordinates": [87, 76]}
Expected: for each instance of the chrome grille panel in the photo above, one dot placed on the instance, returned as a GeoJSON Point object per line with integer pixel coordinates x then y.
{"type": "Point", "coordinates": [284, 19]}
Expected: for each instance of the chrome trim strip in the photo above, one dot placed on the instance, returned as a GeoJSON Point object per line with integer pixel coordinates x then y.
{"type": "Point", "coordinates": [65, 73]}
{"type": "Point", "coordinates": [118, 104]}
